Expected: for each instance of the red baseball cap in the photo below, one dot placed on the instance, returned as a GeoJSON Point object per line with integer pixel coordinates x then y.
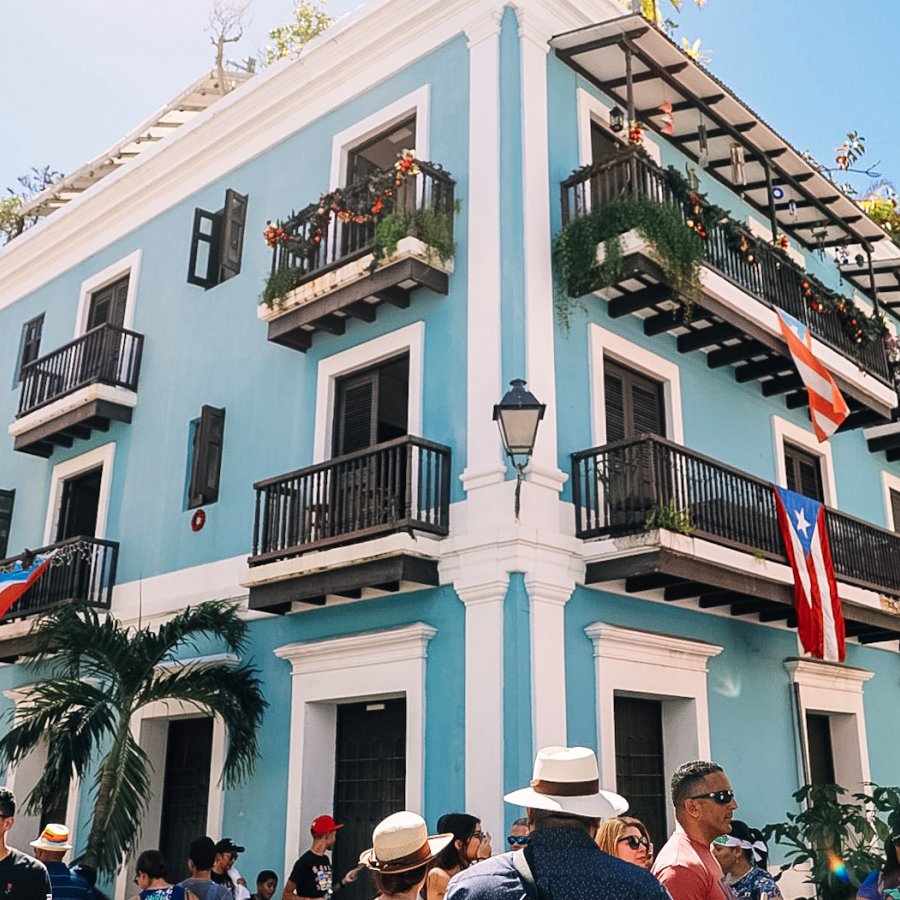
{"type": "Point", "coordinates": [324, 825]}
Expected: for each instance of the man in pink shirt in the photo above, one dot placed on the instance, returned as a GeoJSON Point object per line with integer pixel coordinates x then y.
{"type": "Point", "coordinates": [704, 804]}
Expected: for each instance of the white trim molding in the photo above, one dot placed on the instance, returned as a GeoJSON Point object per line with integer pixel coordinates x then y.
{"type": "Point", "coordinates": [889, 482]}
{"type": "Point", "coordinates": [369, 666]}
{"type": "Point", "coordinates": [410, 338]}
{"type": "Point", "coordinates": [605, 343]}
{"type": "Point", "coordinates": [782, 431]}
{"type": "Point", "coordinates": [654, 666]}
{"type": "Point", "coordinates": [835, 690]}
{"type": "Point", "coordinates": [99, 457]}
{"type": "Point", "coordinates": [129, 265]}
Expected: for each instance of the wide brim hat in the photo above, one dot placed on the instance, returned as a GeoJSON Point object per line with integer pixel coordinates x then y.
{"type": "Point", "coordinates": [567, 780]}
{"type": "Point", "coordinates": [53, 837]}
{"type": "Point", "coordinates": [400, 843]}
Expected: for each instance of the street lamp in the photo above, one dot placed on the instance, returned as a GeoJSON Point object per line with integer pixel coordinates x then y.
{"type": "Point", "coordinates": [616, 119]}
{"type": "Point", "coordinates": [517, 416]}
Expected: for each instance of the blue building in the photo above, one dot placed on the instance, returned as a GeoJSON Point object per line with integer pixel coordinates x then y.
{"type": "Point", "coordinates": [329, 459]}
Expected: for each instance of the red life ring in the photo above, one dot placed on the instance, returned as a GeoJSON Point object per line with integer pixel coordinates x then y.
{"type": "Point", "coordinates": [198, 520]}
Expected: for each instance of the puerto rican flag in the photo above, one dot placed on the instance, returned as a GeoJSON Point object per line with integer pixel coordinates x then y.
{"type": "Point", "coordinates": [13, 584]}
{"type": "Point", "coordinates": [820, 621]}
{"type": "Point", "coordinates": [827, 407]}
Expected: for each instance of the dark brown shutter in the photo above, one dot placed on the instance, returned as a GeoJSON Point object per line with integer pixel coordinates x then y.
{"type": "Point", "coordinates": [803, 472]}
{"type": "Point", "coordinates": [356, 413]}
{"type": "Point", "coordinates": [31, 341]}
{"type": "Point", "coordinates": [6, 509]}
{"type": "Point", "coordinates": [235, 218]}
{"type": "Point", "coordinates": [615, 405]}
{"type": "Point", "coordinates": [206, 464]}
{"type": "Point", "coordinates": [634, 403]}
{"type": "Point", "coordinates": [203, 267]}
{"type": "Point", "coordinates": [895, 509]}
{"type": "Point", "coordinates": [108, 305]}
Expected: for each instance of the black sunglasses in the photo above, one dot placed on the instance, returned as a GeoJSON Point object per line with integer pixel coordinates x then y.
{"type": "Point", "coordinates": [513, 839]}
{"type": "Point", "coordinates": [635, 842]}
{"type": "Point", "coordinates": [721, 797]}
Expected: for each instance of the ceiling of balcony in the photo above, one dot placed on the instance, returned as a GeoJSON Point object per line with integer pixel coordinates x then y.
{"type": "Point", "coordinates": [807, 205]}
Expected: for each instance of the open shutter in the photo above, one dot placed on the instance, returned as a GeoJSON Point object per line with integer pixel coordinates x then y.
{"type": "Point", "coordinates": [356, 416]}
{"type": "Point", "coordinates": [6, 509]}
{"type": "Point", "coordinates": [615, 405]}
{"type": "Point", "coordinates": [203, 267]}
{"type": "Point", "coordinates": [895, 509]}
{"type": "Point", "coordinates": [207, 462]}
{"type": "Point", "coordinates": [235, 218]}
{"type": "Point", "coordinates": [31, 342]}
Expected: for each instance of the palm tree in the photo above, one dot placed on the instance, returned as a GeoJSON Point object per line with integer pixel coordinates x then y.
{"type": "Point", "coordinates": [95, 675]}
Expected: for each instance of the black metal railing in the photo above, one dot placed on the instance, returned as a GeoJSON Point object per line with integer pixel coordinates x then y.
{"type": "Point", "coordinates": [81, 570]}
{"type": "Point", "coordinates": [341, 241]}
{"type": "Point", "coordinates": [774, 278]}
{"type": "Point", "coordinates": [106, 354]}
{"type": "Point", "coordinates": [403, 484]}
{"type": "Point", "coordinates": [631, 486]}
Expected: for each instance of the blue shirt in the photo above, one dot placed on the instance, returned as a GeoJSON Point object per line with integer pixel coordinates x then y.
{"type": "Point", "coordinates": [567, 865]}
{"type": "Point", "coordinates": [66, 884]}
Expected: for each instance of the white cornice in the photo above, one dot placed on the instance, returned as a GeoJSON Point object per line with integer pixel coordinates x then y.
{"type": "Point", "coordinates": [627, 644]}
{"type": "Point", "coordinates": [831, 676]}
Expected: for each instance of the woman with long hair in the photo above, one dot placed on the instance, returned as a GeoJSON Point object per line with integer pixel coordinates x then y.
{"type": "Point", "coordinates": [459, 854]}
{"type": "Point", "coordinates": [627, 838]}
{"type": "Point", "coordinates": [743, 856]}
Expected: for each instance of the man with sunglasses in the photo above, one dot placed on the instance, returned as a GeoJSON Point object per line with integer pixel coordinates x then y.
{"type": "Point", "coordinates": [518, 834]}
{"type": "Point", "coordinates": [704, 805]}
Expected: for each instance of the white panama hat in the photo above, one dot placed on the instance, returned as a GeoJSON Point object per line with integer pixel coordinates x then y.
{"type": "Point", "coordinates": [401, 842]}
{"type": "Point", "coordinates": [567, 780]}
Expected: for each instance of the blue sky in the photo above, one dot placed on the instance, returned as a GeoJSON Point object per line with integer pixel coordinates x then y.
{"type": "Point", "coordinates": [81, 74]}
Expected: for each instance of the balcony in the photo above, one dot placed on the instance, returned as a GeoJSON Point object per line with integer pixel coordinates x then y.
{"type": "Point", "coordinates": [78, 388]}
{"type": "Point", "coordinates": [395, 488]}
{"type": "Point", "coordinates": [729, 552]}
{"type": "Point", "coordinates": [83, 570]}
{"type": "Point", "coordinates": [331, 265]}
{"type": "Point", "coordinates": [729, 329]}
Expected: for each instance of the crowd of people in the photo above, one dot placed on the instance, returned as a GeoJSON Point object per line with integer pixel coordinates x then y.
{"type": "Point", "coordinates": [574, 843]}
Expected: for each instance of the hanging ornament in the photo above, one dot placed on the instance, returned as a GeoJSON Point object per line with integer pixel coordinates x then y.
{"type": "Point", "coordinates": [737, 163]}
{"type": "Point", "coordinates": [635, 133]}
{"type": "Point", "coordinates": [668, 120]}
{"type": "Point", "coordinates": [692, 180]}
{"type": "Point", "coordinates": [792, 208]}
{"type": "Point", "coordinates": [703, 154]}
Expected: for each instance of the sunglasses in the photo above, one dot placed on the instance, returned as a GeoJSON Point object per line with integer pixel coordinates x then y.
{"type": "Point", "coordinates": [721, 797]}
{"type": "Point", "coordinates": [635, 843]}
{"type": "Point", "coordinates": [480, 835]}
{"type": "Point", "coordinates": [516, 839]}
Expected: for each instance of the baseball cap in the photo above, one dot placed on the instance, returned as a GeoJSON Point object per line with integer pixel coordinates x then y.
{"type": "Point", "coordinates": [324, 825]}
{"type": "Point", "coordinates": [227, 845]}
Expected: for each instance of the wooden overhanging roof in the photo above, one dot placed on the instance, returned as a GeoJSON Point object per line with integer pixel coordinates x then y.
{"type": "Point", "coordinates": [822, 215]}
{"type": "Point", "coordinates": [192, 101]}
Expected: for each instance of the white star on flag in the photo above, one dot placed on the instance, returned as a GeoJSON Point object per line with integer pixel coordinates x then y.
{"type": "Point", "coordinates": [802, 524]}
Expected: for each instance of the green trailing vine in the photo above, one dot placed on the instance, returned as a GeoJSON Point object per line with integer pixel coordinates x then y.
{"type": "Point", "coordinates": [432, 228]}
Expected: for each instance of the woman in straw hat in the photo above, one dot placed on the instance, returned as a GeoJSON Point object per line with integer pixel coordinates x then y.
{"type": "Point", "coordinates": [400, 855]}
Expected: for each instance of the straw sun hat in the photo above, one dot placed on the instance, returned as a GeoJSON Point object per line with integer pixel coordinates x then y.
{"type": "Point", "coordinates": [400, 843]}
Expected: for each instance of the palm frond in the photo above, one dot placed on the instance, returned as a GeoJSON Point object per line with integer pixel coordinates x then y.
{"type": "Point", "coordinates": [216, 618]}
{"type": "Point", "coordinates": [235, 694]}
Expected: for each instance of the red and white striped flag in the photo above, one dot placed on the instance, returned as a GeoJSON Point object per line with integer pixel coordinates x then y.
{"type": "Point", "coordinates": [827, 407]}
{"type": "Point", "coordinates": [16, 582]}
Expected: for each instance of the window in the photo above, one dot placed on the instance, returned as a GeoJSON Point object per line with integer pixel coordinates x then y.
{"type": "Point", "coordinates": [371, 406]}
{"type": "Point", "coordinates": [107, 306]}
{"type": "Point", "coordinates": [821, 753]}
{"type": "Point", "coordinates": [79, 505]}
{"type": "Point", "coordinates": [6, 510]}
{"type": "Point", "coordinates": [803, 472]}
{"type": "Point", "coordinates": [640, 762]}
{"type": "Point", "coordinates": [217, 242]}
{"type": "Point", "coordinates": [206, 457]}
{"type": "Point", "coordinates": [380, 151]}
{"type": "Point", "coordinates": [603, 144]}
{"type": "Point", "coordinates": [634, 403]}
{"type": "Point", "coordinates": [895, 508]}
{"type": "Point", "coordinates": [31, 342]}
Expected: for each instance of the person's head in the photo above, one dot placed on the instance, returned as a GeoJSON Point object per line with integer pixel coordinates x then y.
{"type": "Point", "coordinates": [52, 844]}
{"type": "Point", "coordinates": [7, 813]}
{"type": "Point", "coordinates": [201, 855]}
{"type": "Point", "coordinates": [226, 853]}
{"type": "Point", "coordinates": [324, 831]}
{"type": "Point", "coordinates": [546, 818]}
{"type": "Point", "coordinates": [625, 838]}
{"type": "Point", "coordinates": [462, 851]}
{"type": "Point", "coordinates": [703, 800]}
{"type": "Point", "coordinates": [734, 851]}
{"type": "Point", "coordinates": [150, 867]}
{"type": "Point", "coordinates": [518, 834]}
{"type": "Point", "coordinates": [266, 884]}
{"type": "Point", "coordinates": [402, 852]}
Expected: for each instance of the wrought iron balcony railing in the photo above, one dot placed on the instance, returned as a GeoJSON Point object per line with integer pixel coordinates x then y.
{"type": "Point", "coordinates": [623, 488]}
{"type": "Point", "coordinates": [106, 354]}
{"type": "Point", "coordinates": [342, 241]}
{"type": "Point", "coordinates": [400, 485]}
{"type": "Point", "coordinates": [82, 570]}
{"type": "Point", "coordinates": [774, 279]}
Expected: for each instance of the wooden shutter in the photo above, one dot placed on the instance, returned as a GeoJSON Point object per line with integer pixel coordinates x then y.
{"type": "Point", "coordinates": [108, 305]}
{"type": "Point", "coordinates": [356, 413]}
{"type": "Point", "coordinates": [203, 267]}
{"type": "Point", "coordinates": [804, 472]}
{"type": "Point", "coordinates": [6, 510]}
{"type": "Point", "coordinates": [31, 342]}
{"type": "Point", "coordinates": [615, 404]}
{"type": "Point", "coordinates": [235, 218]}
{"type": "Point", "coordinates": [634, 404]}
{"type": "Point", "coordinates": [206, 464]}
{"type": "Point", "coordinates": [895, 509]}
